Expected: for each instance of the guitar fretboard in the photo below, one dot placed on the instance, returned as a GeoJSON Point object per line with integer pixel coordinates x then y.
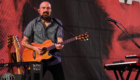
{"type": "Point", "coordinates": [62, 43]}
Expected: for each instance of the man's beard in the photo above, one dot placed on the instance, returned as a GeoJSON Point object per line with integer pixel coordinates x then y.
{"type": "Point", "coordinates": [45, 18]}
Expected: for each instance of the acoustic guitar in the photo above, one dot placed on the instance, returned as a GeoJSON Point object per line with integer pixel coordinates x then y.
{"type": "Point", "coordinates": [17, 47]}
{"type": "Point", "coordinates": [9, 45]}
{"type": "Point", "coordinates": [30, 55]}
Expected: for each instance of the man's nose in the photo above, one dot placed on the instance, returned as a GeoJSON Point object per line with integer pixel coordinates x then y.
{"type": "Point", "coordinates": [45, 9]}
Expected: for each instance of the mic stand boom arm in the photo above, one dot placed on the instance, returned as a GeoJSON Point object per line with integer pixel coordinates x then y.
{"type": "Point", "coordinates": [129, 36]}
{"type": "Point", "coordinates": [63, 27]}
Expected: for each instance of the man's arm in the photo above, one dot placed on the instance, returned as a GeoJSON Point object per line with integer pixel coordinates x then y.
{"type": "Point", "coordinates": [26, 44]}
{"type": "Point", "coordinates": [59, 46]}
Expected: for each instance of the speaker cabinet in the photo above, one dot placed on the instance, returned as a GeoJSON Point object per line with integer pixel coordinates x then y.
{"type": "Point", "coordinates": [36, 71]}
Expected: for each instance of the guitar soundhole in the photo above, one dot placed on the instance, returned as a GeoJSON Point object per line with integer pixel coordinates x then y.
{"type": "Point", "coordinates": [44, 49]}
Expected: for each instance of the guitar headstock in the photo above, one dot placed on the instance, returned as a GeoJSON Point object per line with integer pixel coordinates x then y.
{"type": "Point", "coordinates": [10, 41]}
{"type": "Point", "coordinates": [16, 42]}
{"type": "Point", "coordinates": [84, 36]}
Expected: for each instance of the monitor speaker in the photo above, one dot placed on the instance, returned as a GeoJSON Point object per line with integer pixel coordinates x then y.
{"type": "Point", "coordinates": [36, 71]}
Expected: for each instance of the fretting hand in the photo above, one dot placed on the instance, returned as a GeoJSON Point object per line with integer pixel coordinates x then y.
{"type": "Point", "coordinates": [59, 46]}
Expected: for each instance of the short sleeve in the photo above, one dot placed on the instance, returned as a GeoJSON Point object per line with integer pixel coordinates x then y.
{"type": "Point", "coordinates": [60, 32]}
{"type": "Point", "coordinates": [60, 29]}
{"type": "Point", "coordinates": [29, 30]}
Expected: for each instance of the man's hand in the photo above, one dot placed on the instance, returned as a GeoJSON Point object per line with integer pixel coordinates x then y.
{"type": "Point", "coordinates": [59, 46]}
{"type": "Point", "coordinates": [38, 50]}
{"type": "Point", "coordinates": [26, 44]}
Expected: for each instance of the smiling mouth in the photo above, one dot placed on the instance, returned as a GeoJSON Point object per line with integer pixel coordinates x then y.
{"type": "Point", "coordinates": [46, 13]}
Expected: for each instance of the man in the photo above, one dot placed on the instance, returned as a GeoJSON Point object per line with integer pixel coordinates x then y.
{"type": "Point", "coordinates": [121, 45]}
{"type": "Point", "coordinates": [41, 29]}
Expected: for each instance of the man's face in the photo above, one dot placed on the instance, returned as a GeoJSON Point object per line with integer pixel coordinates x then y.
{"type": "Point", "coordinates": [45, 9]}
{"type": "Point", "coordinates": [128, 16]}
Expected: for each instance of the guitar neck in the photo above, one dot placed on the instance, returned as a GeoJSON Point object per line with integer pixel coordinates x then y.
{"type": "Point", "coordinates": [68, 41]}
{"type": "Point", "coordinates": [18, 60]}
{"type": "Point", "coordinates": [10, 59]}
{"type": "Point", "coordinates": [62, 43]}
{"type": "Point", "coordinates": [9, 53]}
{"type": "Point", "coordinates": [17, 55]}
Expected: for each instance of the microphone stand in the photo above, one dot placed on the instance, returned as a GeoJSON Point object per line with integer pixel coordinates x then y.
{"type": "Point", "coordinates": [137, 55]}
{"type": "Point", "coordinates": [128, 36]}
{"type": "Point", "coordinates": [63, 27]}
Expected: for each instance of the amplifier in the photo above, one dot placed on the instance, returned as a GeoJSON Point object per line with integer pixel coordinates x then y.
{"type": "Point", "coordinates": [36, 71]}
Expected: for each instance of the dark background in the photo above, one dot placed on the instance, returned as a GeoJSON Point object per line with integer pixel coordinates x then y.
{"type": "Point", "coordinates": [81, 60]}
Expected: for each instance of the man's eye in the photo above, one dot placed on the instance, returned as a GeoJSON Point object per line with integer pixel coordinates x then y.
{"type": "Point", "coordinates": [48, 8]}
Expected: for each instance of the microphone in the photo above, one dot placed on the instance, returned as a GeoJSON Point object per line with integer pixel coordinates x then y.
{"type": "Point", "coordinates": [109, 19]}
{"type": "Point", "coordinates": [132, 56]}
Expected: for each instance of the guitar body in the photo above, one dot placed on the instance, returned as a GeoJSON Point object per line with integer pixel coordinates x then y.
{"type": "Point", "coordinates": [27, 55]}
